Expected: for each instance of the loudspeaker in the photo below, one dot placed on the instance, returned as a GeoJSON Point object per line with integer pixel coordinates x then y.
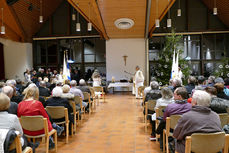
{"type": "Point", "coordinates": [11, 2]}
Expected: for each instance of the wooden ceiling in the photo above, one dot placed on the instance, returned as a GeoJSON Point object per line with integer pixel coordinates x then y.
{"type": "Point", "coordinates": [222, 7]}
{"type": "Point", "coordinates": [22, 23]}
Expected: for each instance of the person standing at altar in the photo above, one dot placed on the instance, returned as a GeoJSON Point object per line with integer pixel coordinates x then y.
{"type": "Point", "coordinates": [96, 78]}
{"type": "Point", "coordinates": [139, 80]}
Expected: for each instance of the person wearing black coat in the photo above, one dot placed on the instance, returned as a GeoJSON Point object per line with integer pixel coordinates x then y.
{"type": "Point", "coordinates": [43, 91]}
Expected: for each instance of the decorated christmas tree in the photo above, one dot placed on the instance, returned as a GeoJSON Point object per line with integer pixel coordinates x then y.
{"type": "Point", "coordinates": [165, 60]}
{"type": "Point", "coordinates": [223, 69]}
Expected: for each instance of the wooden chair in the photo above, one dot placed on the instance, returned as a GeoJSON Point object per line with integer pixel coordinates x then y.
{"type": "Point", "coordinates": [207, 142]}
{"type": "Point", "coordinates": [58, 112]}
{"type": "Point", "coordinates": [149, 105]}
{"type": "Point", "coordinates": [36, 123]}
{"type": "Point", "coordinates": [74, 113]}
{"type": "Point", "coordinates": [159, 113]}
{"type": "Point", "coordinates": [17, 145]}
{"type": "Point", "coordinates": [224, 119]}
{"type": "Point", "coordinates": [78, 100]}
{"type": "Point", "coordinates": [99, 89]}
{"type": "Point", "coordinates": [141, 91]}
{"type": "Point", "coordinates": [171, 123]}
{"type": "Point", "coordinates": [93, 97]}
{"type": "Point", "coordinates": [88, 98]}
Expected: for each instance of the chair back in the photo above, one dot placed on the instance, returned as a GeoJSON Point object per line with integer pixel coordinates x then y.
{"type": "Point", "coordinates": [223, 119]}
{"type": "Point", "coordinates": [86, 95]}
{"type": "Point", "coordinates": [92, 91]}
{"type": "Point", "coordinates": [173, 120]}
{"type": "Point", "coordinates": [207, 142]}
{"type": "Point", "coordinates": [73, 105]}
{"type": "Point", "coordinates": [32, 123]}
{"type": "Point", "coordinates": [160, 111]}
{"type": "Point", "coordinates": [227, 110]}
{"type": "Point", "coordinates": [151, 104]}
{"type": "Point", "coordinates": [77, 99]}
{"type": "Point", "coordinates": [56, 112]}
{"type": "Point", "coordinates": [98, 89]}
{"type": "Point", "coordinates": [141, 90]}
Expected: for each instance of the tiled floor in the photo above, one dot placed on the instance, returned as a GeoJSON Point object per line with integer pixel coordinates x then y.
{"type": "Point", "coordinates": [116, 127]}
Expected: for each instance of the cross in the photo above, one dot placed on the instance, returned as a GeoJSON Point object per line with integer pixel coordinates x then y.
{"type": "Point", "coordinates": [125, 58]}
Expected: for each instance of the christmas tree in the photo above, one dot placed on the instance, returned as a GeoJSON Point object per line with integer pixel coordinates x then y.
{"type": "Point", "coordinates": [164, 63]}
{"type": "Point", "coordinates": [223, 70]}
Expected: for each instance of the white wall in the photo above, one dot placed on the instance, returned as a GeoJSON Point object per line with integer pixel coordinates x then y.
{"type": "Point", "coordinates": [116, 49]}
{"type": "Point", "coordinates": [17, 57]}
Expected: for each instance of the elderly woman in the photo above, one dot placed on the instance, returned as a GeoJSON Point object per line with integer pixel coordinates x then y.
{"type": "Point", "coordinates": [154, 93]}
{"type": "Point", "coordinates": [167, 98]}
{"type": "Point", "coordinates": [66, 93]}
{"type": "Point", "coordinates": [9, 121]}
{"type": "Point", "coordinates": [56, 100]}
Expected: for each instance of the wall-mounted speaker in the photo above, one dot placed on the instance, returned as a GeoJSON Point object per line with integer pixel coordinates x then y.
{"type": "Point", "coordinates": [11, 2]}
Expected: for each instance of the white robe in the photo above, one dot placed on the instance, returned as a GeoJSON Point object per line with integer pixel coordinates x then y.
{"type": "Point", "coordinates": [139, 81]}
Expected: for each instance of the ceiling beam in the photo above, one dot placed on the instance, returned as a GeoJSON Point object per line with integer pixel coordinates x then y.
{"type": "Point", "coordinates": [162, 14]}
{"type": "Point", "coordinates": [82, 7]}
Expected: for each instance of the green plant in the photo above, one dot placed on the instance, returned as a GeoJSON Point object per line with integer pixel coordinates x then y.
{"type": "Point", "coordinates": [164, 63]}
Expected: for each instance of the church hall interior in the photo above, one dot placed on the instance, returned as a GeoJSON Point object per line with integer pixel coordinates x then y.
{"type": "Point", "coordinates": [112, 76]}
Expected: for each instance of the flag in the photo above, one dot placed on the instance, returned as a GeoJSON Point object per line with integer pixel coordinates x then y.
{"type": "Point", "coordinates": [175, 71]}
{"type": "Point", "coordinates": [66, 68]}
{"type": "Point", "coordinates": [173, 65]}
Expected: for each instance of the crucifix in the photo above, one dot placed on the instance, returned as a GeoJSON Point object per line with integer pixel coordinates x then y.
{"type": "Point", "coordinates": [125, 58]}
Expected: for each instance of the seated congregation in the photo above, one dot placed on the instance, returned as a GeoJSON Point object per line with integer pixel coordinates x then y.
{"type": "Point", "coordinates": [184, 114]}
{"type": "Point", "coordinates": [42, 110]}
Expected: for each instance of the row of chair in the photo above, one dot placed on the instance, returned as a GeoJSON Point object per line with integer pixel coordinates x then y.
{"type": "Point", "coordinates": [57, 112]}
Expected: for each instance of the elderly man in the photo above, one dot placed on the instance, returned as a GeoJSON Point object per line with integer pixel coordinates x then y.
{"type": "Point", "coordinates": [76, 92]}
{"type": "Point", "coordinates": [191, 84]}
{"type": "Point", "coordinates": [200, 119]}
{"type": "Point", "coordinates": [82, 86]}
{"type": "Point", "coordinates": [43, 91]}
{"type": "Point", "coordinates": [9, 91]}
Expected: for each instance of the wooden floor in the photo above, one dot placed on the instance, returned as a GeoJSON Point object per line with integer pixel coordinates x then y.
{"type": "Point", "coordinates": [116, 127]}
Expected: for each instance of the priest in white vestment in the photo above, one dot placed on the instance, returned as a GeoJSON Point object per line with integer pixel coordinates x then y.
{"type": "Point", "coordinates": [139, 80]}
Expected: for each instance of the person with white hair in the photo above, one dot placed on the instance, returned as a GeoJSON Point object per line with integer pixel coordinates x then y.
{"type": "Point", "coordinates": [82, 86]}
{"type": "Point", "coordinates": [199, 119]}
{"type": "Point", "coordinates": [9, 121]}
{"type": "Point", "coordinates": [139, 80]}
{"type": "Point", "coordinates": [77, 92]}
{"type": "Point", "coordinates": [74, 90]}
{"type": "Point", "coordinates": [176, 82]}
{"type": "Point", "coordinates": [9, 91]}
{"type": "Point", "coordinates": [66, 93]}
{"type": "Point", "coordinates": [56, 100]}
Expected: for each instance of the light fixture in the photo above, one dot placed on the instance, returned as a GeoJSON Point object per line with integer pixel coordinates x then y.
{"type": "Point", "coordinates": [169, 21]}
{"type": "Point", "coordinates": [179, 9]}
{"type": "Point", "coordinates": [78, 23]}
{"type": "Point", "coordinates": [89, 25]}
{"type": "Point", "coordinates": [215, 8]}
{"type": "Point", "coordinates": [3, 30]}
{"type": "Point", "coordinates": [157, 21]}
{"type": "Point", "coordinates": [73, 15]}
{"type": "Point", "coordinates": [41, 17]}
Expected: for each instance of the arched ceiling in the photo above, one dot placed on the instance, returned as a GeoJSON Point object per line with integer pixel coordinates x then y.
{"type": "Point", "coordinates": [22, 23]}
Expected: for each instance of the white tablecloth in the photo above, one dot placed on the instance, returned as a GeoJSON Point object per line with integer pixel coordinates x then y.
{"type": "Point", "coordinates": [120, 84]}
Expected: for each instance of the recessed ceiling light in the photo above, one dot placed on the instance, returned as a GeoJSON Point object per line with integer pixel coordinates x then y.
{"type": "Point", "coordinates": [124, 23]}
